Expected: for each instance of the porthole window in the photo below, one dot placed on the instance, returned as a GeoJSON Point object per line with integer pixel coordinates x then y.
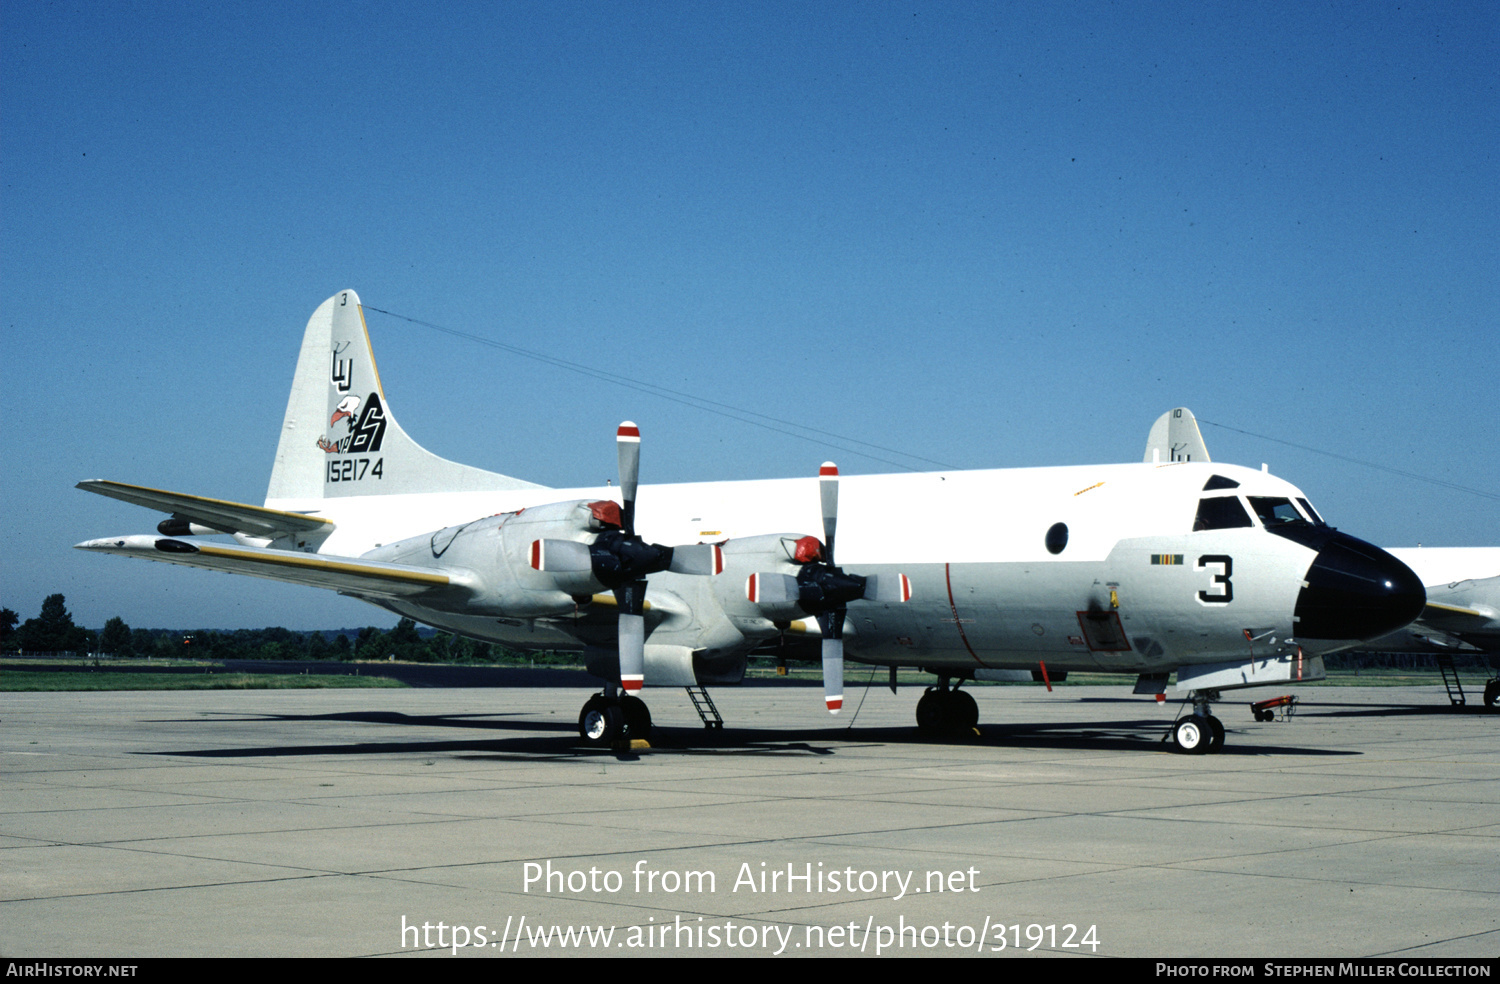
{"type": "Point", "coordinates": [1057, 538]}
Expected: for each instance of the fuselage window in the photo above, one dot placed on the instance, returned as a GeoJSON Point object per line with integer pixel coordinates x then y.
{"type": "Point", "coordinates": [1057, 538]}
{"type": "Point", "coordinates": [1275, 511]}
{"type": "Point", "coordinates": [1223, 513]}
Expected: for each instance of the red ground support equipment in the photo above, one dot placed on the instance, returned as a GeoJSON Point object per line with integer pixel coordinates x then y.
{"type": "Point", "coordinates": [1265, 710]}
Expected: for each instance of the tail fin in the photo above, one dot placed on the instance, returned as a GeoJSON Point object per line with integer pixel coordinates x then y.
{"type": "Point", "coordinates": [1175, 437]}
{"type": "Point", "coordinates": [339, 437]}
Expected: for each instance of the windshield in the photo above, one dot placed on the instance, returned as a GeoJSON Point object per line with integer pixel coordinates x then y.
{"type": "Point", "coordinates": [1275, 511]}
{"type": "Point", "coordinates": [1312, 513]}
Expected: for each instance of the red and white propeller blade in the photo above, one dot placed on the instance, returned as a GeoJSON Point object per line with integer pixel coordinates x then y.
{"type": "Point", "coordinates": [832, 624]}
{"type": "Point", "coordinates": [887, 588]}
{"type": "Point", "coordinates": [560, 556]}
{"type": "Point", "coordinates": [632, 653]}
{"type": "Point", "coordinates": [833, 660]}
{"type": "Point", "coordinates": [828, 489]}
{"type": "Point", "coordinates": [631, 597]}
{"type": "Point", "coordinates": [770, 590]}
{"type": "Point", "coordinates": [628, 443]}
{"type": "Point", "coordinates": [697, 558]}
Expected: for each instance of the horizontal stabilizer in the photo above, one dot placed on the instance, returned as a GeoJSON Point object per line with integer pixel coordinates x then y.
{"type": "Point", "coordinates": [348, 575]}
{"type": "Point", "coordinates": [227, 517]}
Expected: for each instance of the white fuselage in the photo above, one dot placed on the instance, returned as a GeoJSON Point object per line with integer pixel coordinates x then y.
{"type": "Point", "coordinates": [1133, 589]}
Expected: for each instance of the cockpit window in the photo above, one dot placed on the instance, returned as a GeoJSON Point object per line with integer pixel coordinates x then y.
{"type": "Point", "coordinates": [1275, 511]}
{"type": "Point", "coordinates": [1312, 513]}
{"type": "Point", "coordinates": [1220, 482]}
{"type": "Point", "coordinates": [1223, 513]}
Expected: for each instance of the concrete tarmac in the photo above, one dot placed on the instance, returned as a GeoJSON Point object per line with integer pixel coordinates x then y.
{"type": "Point", "coordinates": [341, 823]}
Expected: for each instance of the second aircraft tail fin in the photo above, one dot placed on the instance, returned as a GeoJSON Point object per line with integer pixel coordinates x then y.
{"type": "Point", "coordinates": [1175, 437]}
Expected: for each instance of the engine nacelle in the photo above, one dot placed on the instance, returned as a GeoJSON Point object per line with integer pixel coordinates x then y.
{"type": "Point", "coordinates": [704, 628]}
{"type": "Point", "coordinates": [768, 584]}
{"type": "Point", "coordinates": [759, 586]}
{"type": "Point", "coordinates": [176, 526]}
{"type": "Point", "coordinates": [493, 557]}
{"type": "Point", "coordinates": [786, 579]}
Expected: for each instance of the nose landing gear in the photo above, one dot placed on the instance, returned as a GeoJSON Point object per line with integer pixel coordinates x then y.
{"type": "Point", "coordinates": [1199, 732]}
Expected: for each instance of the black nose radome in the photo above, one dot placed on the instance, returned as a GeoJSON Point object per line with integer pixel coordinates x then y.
{"type": "Point", "coordinates": [1355, 590]}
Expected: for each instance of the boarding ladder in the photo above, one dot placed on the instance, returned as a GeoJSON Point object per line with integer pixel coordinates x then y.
{"type": "Point", "coordinates": [1450, 680]}
{"type": "Point", "coordinates": [704, 705]}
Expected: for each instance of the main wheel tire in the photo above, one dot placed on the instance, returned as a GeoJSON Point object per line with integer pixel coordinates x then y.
{"type": "Point", "coordinates": [601, 722]}
{"type": "Point", "coordinates": [1191, 735]}
{"type": "Point", "coordinates": [963, 712]}
{"type": "Point", "coordinates": [637, 718]}
{"type": "Point", "coordinates": [930, 712]}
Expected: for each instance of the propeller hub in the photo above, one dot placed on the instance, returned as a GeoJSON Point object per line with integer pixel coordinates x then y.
{"type": "Point", "coordinates": [823, 588]}
{"type": "Point", "coordinates": [618, 557]}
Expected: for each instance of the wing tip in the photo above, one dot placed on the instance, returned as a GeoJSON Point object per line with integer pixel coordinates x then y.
{"type": "Point", "coordinates": [108, 543]}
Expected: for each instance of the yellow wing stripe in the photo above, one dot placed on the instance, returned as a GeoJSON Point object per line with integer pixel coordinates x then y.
{"type": "Point", "coordinates": [609, 599]}
{"type": "Point", "coordinates": [305, 562]}
{"type": "Point", "coordinates": [1455, 609]}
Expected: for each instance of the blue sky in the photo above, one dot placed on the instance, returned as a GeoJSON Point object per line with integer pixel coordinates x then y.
{"type": "Point", "coordinates": [985, 234]}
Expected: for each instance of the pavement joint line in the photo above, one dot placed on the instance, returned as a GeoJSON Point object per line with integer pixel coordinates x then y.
{"type": "Point", "coordinates": [1446, 939]}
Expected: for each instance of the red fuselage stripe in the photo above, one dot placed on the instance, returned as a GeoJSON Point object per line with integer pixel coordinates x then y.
{"type": "Point", "coordinates": [948, 576]}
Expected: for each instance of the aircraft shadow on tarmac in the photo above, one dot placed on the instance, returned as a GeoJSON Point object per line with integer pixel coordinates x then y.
{"type": "Point", "coordinates": [563, 741]}
{"type": "Point", "coordinates": [1390, 710]}
{"type": "Point", "coordinates": [1330, 707]}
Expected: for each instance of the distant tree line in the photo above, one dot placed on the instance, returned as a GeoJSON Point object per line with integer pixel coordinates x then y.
{"type": "Point", "coordinates": [1398, 661]}
{"type": "Point", "coordinates": [53, 631]}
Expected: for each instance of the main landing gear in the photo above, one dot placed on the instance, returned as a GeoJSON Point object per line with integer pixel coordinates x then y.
{"type": "Point", "coordinates": [610, 717]}
{"type": "Point", "coordinates": [946, 711]}
{"type": "Point", "coordinates": [1198, 732]}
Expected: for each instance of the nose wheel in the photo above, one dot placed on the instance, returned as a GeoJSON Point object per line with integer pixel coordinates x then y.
{"type": "Point", "coordinates": [1200, 732]}
{"type": "Point", "coordinates": [1195, 735]}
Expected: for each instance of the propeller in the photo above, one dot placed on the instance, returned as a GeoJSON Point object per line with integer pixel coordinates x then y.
{"type": "Point", "coordinates": [628, 445]}
{"type": "Point", "coordinates": [832, 622]}
{"type": "Point", "coordinates": [630, 595]}
{"type": "Point", "coordinates": [620, 560]}
{"type": "Point", "coordinates": [824, 590]}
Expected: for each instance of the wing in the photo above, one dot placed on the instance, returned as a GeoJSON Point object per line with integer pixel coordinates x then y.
{"type": "Point", "coordinates": [1480, 629]}
{"type": "Point", "coordinates": [226, 517]}
{"type": "Point", "coordinates": [345, 574]}
{"type": "Point", "coordinates": [1468, 609]}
